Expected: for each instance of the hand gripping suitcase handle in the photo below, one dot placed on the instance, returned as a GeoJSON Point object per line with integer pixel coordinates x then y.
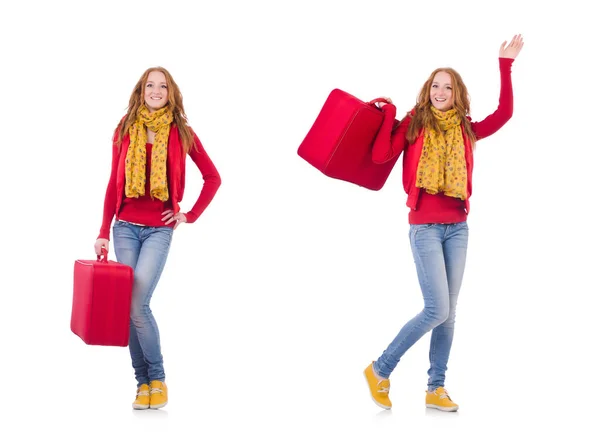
{"type": "Point", "coordinates": [103, 256]}
{"type": "Point", "coordinates": [379, 99]}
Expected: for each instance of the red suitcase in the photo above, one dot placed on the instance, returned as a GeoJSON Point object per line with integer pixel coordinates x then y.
{"type": "Point", "coordinates": [339, 142]}
{"type": "Point", "coordinates": [101, 301]}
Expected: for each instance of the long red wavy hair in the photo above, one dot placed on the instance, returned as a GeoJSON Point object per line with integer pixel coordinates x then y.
{"type": "Point", "coordinates": [174, 103]}
{"type": "Point", "coordinates": [424, 118]}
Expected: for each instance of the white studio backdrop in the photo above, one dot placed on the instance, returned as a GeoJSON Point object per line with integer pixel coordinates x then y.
{"type": "Point", "coordinates": [275, 300]}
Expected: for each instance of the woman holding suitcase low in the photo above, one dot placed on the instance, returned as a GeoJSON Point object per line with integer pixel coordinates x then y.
{"type": "Point", "coordinates": [146, 184]}
{"type": "Point", "coordinates": [437, 138]}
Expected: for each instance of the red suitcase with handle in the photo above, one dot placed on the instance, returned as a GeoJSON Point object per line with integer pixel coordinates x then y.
{"type": "Point", "coordinates": [340, 141]}
{"type": "Point", "coordinates": [101, 301]}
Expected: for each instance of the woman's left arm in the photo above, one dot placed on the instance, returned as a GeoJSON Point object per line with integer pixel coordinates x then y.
{"type": "Point", "coordinates": [504, 112]}
{"type": "Point", "coordinates": [212, 180]}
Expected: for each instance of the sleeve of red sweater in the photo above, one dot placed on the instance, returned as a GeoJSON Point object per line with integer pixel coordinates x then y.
{"type": "Point", "coordinates": [504, 112]}
{"type": "Point", "coordinates": [212, 180]}
{"type": "Point", "coordinates": [388, 145]}
{"type": "Point", "coordinates": [110, 198]}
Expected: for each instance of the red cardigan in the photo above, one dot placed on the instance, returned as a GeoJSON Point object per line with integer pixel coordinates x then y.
{"type": "Point", "coordinates": [389, 144]}
{"type": "Point", "coordinates": [176, 179]}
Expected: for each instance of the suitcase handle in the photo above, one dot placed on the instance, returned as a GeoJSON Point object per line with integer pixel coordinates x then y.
{"type": "Point", "coordinates": [379, 99]}
{"type": "Point", "coordinates": [103, 256]}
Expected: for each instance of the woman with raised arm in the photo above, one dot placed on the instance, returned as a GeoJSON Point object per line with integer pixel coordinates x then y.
{"type": "Point", "coordinates": [437, 138]}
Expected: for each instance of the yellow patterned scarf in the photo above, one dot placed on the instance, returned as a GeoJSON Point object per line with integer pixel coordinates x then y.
{"type": "Point", "coordinates": [135, 163]}
{"type": "Point", "coordinates": [442, 166]}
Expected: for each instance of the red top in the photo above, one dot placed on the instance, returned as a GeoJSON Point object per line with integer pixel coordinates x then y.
{"type": "Point", "coordinates": [426, 208]}
{"type": "Point", "coordinates": [145, 210]}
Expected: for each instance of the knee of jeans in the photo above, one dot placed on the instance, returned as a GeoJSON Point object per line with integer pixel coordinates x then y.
{"type": "Point", "coordinates": [437, 314]}
{"type": "Point", "coordinates": [139, 314]}
{"type": "Point", "coordinates": [451, 317]}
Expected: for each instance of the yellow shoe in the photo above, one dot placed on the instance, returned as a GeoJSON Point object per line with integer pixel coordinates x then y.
{"type": "Point", "coordinates": [158, 394]}
{"type": "Point", "coordinates": [440, 399]}
{"type": "Point", "coordinates": [379, 388]}
{"type": "Point", "coordinates": [142, 398]}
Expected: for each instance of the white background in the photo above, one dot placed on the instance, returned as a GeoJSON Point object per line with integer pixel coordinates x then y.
{"type": "Point", "coordinates": [290, 283]}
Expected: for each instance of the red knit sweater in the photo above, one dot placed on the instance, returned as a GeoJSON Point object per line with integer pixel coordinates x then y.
{"type": "Point", "coordinates": [145, 210]}
{"type": "Point", "coordinates": [426, 208]}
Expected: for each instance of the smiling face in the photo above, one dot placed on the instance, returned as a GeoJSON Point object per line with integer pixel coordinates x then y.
{"type": "Point", "coordinates": [441, 93]}
{"type": "Point", "coordinates": [156, 93]}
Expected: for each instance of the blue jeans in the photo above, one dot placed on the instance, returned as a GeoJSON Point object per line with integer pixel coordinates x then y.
{"type": "Point", "coordinates": [440, 253]}
{"type": "Point", "coordinates": [145, 249]}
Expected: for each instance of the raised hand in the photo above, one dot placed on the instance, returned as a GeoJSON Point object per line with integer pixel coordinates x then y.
{"type": "Point", "coordinates": [512, 50]}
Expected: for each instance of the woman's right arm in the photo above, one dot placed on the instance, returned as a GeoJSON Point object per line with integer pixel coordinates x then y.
{"type": "Point", "coordinates": [110, 197]}
{"type": "Point", "coordinates": [387, 145]}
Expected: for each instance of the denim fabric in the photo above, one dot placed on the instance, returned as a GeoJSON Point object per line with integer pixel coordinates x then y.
{"type": "Point", "coordinates": [145, 249]}
{"type": "Point", "coordinates": [440, 252]}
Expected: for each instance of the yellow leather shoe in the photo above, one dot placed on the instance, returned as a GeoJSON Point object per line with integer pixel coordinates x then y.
{"type": "Point", "coordinates": [158, 394]}
{"type": "Point", "coordinates": [439, 399]}
{"type": "Point", "coordinates": [379, 388]}
{"type": "Point", "coordinates": [142, 398]}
